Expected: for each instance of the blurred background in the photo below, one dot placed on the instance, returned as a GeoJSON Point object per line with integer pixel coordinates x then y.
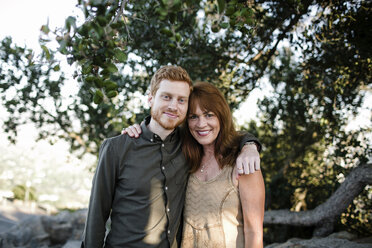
{"type": "Point", "coordinates": [297, 74]}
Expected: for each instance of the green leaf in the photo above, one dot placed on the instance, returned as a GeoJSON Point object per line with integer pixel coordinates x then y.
{"type": "Point", "coordinates": [167, 32]}
{"type": "Point", "coordinates": [117, 24]}
{"type": "Point", "coordinates": [178, 37]}
{"type": "Point", "coordinates": [46, 51]}
{"type": "Point", "coordinates": [221, 5]}
{"type": "Point", "coordinates": [96, 2]}
{"type": "Point", "coordinates": [99, 30]}
{"type": "Point", "coordinates": [171, 45]}
{"type": "Point", "coordinates": [101, 21]}
{"type": "Point", "coordinates": [87, 67]}
{"type": "Point", "coordinates": [224, 25]}
{"type": "Point", "coordinates": [187, 42]}
{"type": "Point", "coordinates": [62, 47]}
{"type": "Point", "coordinates": [120, 55]}
{"type": "Point", "coordinates": [98, 97]}
{"type": "Point", "coordinates": [110, 85]}
{"type": "Point", "coordinates": [70, 22]}
{"type": "Point", "coordinates": [90, 79]}
{"type": "Point", "coordinates": [56, 68]}
{"type": "Point", "coordinates": [45, 29]}
{"type": "Point", "coordinates": [111, 67]}
{"type": "Point", "coordinates": [98, 82]}
{"type": "Point", "coordinates": [112, 94]}
{"type": "Point", "coordinates": [230, 11]}
{"type": "Point", "coordinates": [176, 5]}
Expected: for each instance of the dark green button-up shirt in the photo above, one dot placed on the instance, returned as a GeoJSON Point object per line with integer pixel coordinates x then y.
{"type": "Point", "coordinates": [139, 183]}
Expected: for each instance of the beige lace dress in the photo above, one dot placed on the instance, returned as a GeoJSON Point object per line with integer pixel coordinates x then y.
{"type": "Point", "coordinates": [213, 215]}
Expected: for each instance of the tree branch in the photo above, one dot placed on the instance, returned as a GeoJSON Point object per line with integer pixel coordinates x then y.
{"type": "Point", "coordinates": [282, 35]}
{"type": "Point", "coordinates": [326, 213]}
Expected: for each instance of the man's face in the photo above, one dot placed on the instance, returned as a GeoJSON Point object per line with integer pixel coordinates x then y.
{"type": "Point", "coordinates": [169, 105]}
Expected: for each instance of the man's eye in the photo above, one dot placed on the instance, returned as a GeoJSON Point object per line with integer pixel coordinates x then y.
{"type": "Point", "coordinates": [165, 97]}
{"type": "Point", "coordinates": [182, 100]}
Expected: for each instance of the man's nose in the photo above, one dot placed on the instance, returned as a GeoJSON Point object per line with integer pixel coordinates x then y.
{"type": "Point", "coordinates": [173, 104]}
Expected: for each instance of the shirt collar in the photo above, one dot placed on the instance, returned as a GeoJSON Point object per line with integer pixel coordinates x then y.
{"type": "Point", "coordinates": [148, 135]}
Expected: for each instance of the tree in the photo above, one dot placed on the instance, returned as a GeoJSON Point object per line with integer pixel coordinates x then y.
{"type": "Point", "coordinates": [315, 55]}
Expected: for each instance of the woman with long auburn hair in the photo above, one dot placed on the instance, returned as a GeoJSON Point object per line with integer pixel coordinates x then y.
{"type": "Point", "coordinates": [220, 210]}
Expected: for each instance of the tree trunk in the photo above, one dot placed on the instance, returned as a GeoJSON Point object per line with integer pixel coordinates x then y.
{"type": "Point", "coordinates": [324, 215]}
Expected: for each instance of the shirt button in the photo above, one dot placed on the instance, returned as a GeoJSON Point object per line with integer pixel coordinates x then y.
{"type": "Point", "coordinates": [151, 140]}
{"type": "Point", "coordinates": [166, 188]}
{"type": "Point", "coordinates": [168, 231]}
{"type": "Point", "coordinates": [163, 168]}
{"type": "Point", "coordinates": [168, 209]}
{"type": "Point", "coordinates": [162, 145]}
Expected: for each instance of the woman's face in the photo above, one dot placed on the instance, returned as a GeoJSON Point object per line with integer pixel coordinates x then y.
{"type": "Point", "coordinates": [204, 126]}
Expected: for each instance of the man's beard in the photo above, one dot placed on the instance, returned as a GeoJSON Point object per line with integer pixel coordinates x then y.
{"type": "Point", "coordinates": [164, 122]}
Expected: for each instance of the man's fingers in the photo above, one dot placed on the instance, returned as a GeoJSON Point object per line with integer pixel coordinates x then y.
{"type": "Point", "coordinates": [257, 165]}
{"type": "Point", "coordinates": [246, 168]}
{"type": "Point", "coordinates": [137, 128]}
{"type": "Point", "coordinates": [240, 169]}
{"type": "Point", "coordinates": [251, 166]}
{"type": "Point", "coordinates": [131, 132]}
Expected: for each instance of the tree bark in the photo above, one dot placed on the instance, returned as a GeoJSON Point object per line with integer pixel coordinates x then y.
{"type": "Point", "coordinates": [324, 215]}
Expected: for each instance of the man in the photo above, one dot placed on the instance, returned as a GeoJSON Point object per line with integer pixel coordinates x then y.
{"type": "Point", "coordinates": [140, 183]}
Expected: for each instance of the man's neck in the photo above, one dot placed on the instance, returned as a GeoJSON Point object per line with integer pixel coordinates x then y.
{"type": "Point", "coordinates": [156, 128]}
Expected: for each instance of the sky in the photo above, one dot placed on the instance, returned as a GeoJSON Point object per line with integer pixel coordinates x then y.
{"type": "Point", "coordinates": [22, 19]}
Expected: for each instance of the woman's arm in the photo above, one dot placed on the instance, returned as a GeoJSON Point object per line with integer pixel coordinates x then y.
{"type": "Point", "coordinates": [252, 197]}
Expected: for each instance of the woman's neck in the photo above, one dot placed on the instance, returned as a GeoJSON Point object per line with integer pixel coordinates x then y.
{"type": "Point", "coordinates": [208, 151]}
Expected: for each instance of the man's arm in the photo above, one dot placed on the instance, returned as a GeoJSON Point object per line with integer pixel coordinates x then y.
{"type": "Point", "coordinates": [248, 160]}
{"type": "Point", "coordinates": [102, 193]}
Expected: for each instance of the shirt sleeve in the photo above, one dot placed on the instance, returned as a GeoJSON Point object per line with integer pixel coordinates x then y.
{"type": "Point", "coordinates": [246, 137]}
{"type": "Point", "coordinates": [101, 197]}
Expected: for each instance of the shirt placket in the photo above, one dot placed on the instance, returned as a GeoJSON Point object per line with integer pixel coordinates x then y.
{"type": "Point", "coordinates": [164, 169]}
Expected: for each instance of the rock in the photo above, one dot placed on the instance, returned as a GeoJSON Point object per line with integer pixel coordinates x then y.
{"type": "Point", "coordinates": [364, 240]}
{"type": "Point", "coordinates": [343, 235]}
{"type": "Point", "coordinates": [327, 242]}
{"type": "Point", "coordinates": [28, 231]}
{"type": "Point", "coordinates": [72, 244]}
{"type": "Point", "coordinates": [46, 231]}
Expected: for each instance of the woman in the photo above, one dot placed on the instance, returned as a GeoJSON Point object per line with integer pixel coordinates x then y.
{"type": "Point", "coordinates": [220, 210]}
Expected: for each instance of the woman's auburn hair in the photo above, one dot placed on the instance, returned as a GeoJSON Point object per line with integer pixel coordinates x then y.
{"type": "Point", "coordinates": [226, 147]}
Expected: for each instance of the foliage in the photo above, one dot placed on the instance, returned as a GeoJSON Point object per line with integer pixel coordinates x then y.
{"type": "Point", "coordinates": [358, 216]}
{"type": "Point", "coordinates": [22, 192]}
{"type": "Point", "coordinates": [315, 54]}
